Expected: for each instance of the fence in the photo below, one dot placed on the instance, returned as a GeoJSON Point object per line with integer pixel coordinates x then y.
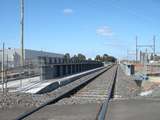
{"type": "Point", "coordinates": [46, 68]}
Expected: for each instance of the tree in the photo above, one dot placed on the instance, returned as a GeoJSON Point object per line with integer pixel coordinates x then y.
{"type": "Point", "coordinates": [111, 59]}
{"type": "Point", "coordinates": [74, 57]}
{"type": "Point", "coordinates": [98, 58]}
{"type": "Point", "coordinates": [81, 57]}
{"type": "Point", "coordinates": [66, 57]}
{"type": "Point", "coordinates": [90, 59]}
{"type": "Point", "coordinates": [105, 57]}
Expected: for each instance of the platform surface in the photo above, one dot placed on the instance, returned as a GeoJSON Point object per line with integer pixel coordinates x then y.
{"type": "Point", "coordinates": [67, 112]}
{"type": "Point", "coordinates": [134, 109]}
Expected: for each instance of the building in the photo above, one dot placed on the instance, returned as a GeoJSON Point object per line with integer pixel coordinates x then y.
{"type": "Point", "coordinates": [12, 56]}
{"type": "Point", "coordinates": [144, 57]}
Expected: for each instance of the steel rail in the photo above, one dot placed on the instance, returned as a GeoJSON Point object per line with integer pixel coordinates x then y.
{"type": "Point", "coordinates": [61, 95]}
{"type": "Point", "coordinates": [104, 107]}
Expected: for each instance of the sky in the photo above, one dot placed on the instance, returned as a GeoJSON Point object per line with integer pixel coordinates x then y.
{"type": "Point", "coordinates": [89, 27]}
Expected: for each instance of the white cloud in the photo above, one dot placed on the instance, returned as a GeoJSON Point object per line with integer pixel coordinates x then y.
{"type": "Point", "coordinates": [104, 31]}
{"type": "Point", "coordinates": [67, 11]}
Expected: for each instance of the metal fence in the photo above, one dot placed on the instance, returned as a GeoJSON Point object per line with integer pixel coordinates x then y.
{"type": "Point", "coordinates": [45, 68]}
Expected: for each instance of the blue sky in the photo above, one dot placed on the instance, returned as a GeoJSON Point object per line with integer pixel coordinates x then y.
{"type": "Point", "coordinates": [90, 27]}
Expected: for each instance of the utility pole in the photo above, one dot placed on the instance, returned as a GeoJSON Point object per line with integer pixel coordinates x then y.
{"type": "Point", "coordinates": [154, 45]}
{"type": "Point", "coordinates": [6, 73]}
{"type": "Point", "coordinates": [136, 49]}
{"type": "Point", "coordinates": [41, 66]}
{"type": "Point", "coordinates": [22, 31]}
{"type": "Point", "coordinates": [2, 68]}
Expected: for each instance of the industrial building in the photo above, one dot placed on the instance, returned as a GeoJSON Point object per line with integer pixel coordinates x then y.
{"type": "Point", "coordinates": [12, 56]}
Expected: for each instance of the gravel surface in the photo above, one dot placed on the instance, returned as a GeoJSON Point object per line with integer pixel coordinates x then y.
{"type": "Point", "coordinates": [11, 100]}
{"type": "Point", "coordinates": [125, 86]}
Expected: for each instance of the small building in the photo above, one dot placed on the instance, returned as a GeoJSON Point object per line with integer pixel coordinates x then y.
{"type": "Point", "coordinates": [128, 68]}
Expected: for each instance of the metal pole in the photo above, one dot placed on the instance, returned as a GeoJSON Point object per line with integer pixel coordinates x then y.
{"type": "Point", "coordinates": [3, 68]}
{"type": "Point", "coordinates": [127, 57]}
{"type": "Point", "coordinates": [41, 71]}
{"type": "Point", "coordinates": [22, 32]}
{"type": "Point", "coordinates": [6, 80]}
{"type": "Point", "coordinates": [136, 49]}
{"type": "Point", "coordinates": [145, 61]}
{"type": "Point", "coordinates": [29, 65]}
{"type": "Point", "coordinates": [154, 45]}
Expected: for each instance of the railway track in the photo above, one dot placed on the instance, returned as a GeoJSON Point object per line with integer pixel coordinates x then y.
{"type": "Point", "coordinates": [94, 92]}
{"type": "Point", "coordinates": [95, 88]}
{"type": "Point", "coordinates": [111, 90]}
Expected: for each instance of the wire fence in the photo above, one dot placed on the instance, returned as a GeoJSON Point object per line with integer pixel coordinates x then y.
{"type": "Point", "coordinates": [33, 68]}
